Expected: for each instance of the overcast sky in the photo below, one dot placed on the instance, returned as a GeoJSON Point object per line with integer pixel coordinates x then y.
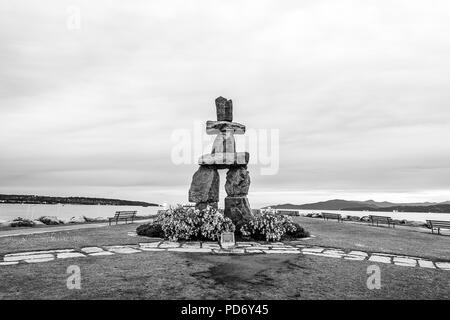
{"type": "Point", "coordinates": [359, 91]}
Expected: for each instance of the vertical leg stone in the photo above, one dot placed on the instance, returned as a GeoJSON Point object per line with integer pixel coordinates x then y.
{"type": "Point", "coordinates": [238, 210]}
{"type": "Point", "coordinates": [205, 186]}
{"type": "Point", "coordinates": [238, 182]}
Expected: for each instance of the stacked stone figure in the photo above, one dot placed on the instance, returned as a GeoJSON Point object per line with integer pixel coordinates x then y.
{"type": "Point", "coordinates": [205, 182]}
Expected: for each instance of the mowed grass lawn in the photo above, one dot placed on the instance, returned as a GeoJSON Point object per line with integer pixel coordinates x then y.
{"type": "Point", "coordinates": [169, 275]}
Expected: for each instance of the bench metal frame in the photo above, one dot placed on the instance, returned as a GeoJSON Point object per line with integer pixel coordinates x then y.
{"type": "Point", "coordinates": [384, 219]}
{"type": "Point", "coordinates": [438, 224]}
{"type": "Point", "coordinates": [123, 215]}
{"type": "Point", "coordinates": [295, 213]}
{"type": "Point", "coordinates": [335, 216]}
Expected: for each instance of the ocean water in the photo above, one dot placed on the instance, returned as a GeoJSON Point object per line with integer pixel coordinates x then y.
{"type": "Point", "coordinates": [34, 211]}
{"type": "Point", "coordinates": [412, 216]}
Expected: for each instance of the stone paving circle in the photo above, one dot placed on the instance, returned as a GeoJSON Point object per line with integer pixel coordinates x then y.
{"type": "Point", "coordinates": [241, 248]}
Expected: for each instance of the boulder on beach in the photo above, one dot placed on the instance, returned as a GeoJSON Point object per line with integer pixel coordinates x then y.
{"type": "Point", "coordinates": [38, 223]}
{"type": "Point", "coordinates": [351, 218]}
{"type": "Point", "coordinates": [411, 223]}
{"type": "Point", "coordinates": [79, 219]}
{"type": "Point", "coordinates": [21, 222]}
{"type": "Point", "coordinates": [97, 219]}
{"type": "Point", "coordinates": [418, 224]}
{"type": "Point", "coordinates": [313, 215]}
{"type": "Point", "coordinates": [50, 220]}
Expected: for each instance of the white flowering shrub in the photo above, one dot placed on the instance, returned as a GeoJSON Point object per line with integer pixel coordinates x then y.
{"type": "Point", "coordinates": [213, 223]}
{"type": "Point", "coordinates": [271, 227]}
{"type": "Point", "coordinates": [188, 223]}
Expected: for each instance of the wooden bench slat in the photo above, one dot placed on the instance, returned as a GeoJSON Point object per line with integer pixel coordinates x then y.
{"type": "Point", "coordinates": [438, 224]}
{"type": "Point", "coordinates": [329, 215]}
{"type": "Point", "coordinates": [385, 219]}
{"type": "Point", "coordinates": [123, 215]}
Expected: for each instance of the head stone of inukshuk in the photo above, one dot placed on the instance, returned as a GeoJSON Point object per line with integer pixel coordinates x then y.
{"type": "Point", "coordinates": [204, 188]}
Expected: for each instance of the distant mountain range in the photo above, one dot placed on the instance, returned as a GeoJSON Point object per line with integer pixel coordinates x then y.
{"type": "Point", "coordinates": [369, 205]}
{"type": "Point", "coordinates": [32, 199]}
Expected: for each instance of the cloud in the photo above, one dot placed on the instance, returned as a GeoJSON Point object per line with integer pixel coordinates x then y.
{"type": "Point", "coordinates": [358, 90]}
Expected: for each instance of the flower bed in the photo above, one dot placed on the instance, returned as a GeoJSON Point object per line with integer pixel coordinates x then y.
{"type": "Point", "coordinates": [271, 227]}
{"type": "Point", "coordinates": [188, 223]}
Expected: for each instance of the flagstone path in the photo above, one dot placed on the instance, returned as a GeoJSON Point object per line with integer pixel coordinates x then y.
{"type": "Point", "coordinates": [241, 248]}
{"type": "Point", "coordinates": [51, 229]}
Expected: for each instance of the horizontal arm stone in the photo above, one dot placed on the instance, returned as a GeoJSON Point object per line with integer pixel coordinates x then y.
{"type": "Point", "coordinates": [216, 127]}
{"type": "Point", "coordinates": [224, 160]}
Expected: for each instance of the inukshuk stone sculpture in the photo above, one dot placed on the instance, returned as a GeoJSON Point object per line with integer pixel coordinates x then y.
{"type": "Point", "coordinates": [205, 182]}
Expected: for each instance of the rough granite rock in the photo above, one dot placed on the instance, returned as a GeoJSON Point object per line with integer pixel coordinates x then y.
{"type": "Point", "coordinates": [224, 109]}
{"type": "Point", "coordinates": [216, 127]}
{"type": "Point", "coordinates": [205, 186]}
{"type": "Point", "coordinates": [238, 210]}
{"type": "Point", "coordinates": [224, 160]}
{"type": "Point", "coordinates": [79, 219]}
{"type": "Point", "coordinates": [238, 182]}
{"type": "Point", "coordinates": [50, 220]}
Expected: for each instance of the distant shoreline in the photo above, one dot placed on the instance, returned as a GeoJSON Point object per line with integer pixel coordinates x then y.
{"type": "Point", "coordinates": [83, 204]}
{"type": "Point", "coordinates": [410, 216]}
{"type": "Point", "coordinates": [369, 205]}
{"type": "Point", "coordinates": [34, 199]}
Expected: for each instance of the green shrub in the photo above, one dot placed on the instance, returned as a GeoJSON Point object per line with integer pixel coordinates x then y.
{"type": "Point", "coordinates": [188, 223]}
{"type": "Point", "coordinates": [20, 222]}
{"type": "Point", "coordinates": [271, 227]}
{"type": "Point", "coordinates": [150, 230]}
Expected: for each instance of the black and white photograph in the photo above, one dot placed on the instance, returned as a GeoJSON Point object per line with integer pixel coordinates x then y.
{"type": "Point", "coordinates": [224, 150]}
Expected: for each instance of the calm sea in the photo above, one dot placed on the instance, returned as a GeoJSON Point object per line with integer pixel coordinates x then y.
{"type": "Point", "coordinates": [34, 211]}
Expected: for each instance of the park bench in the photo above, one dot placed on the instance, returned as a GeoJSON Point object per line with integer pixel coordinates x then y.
{"type": "Point", "coordinates": [289, 212]}
{"type": "Point", "coordinates": [377, 219]}
{"type": "Point", "coordinates": [123, 215]}
{"type": "Point", "coordinates": [438, 224]}
{"type": "Point", "coordinates": [336, 216]}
